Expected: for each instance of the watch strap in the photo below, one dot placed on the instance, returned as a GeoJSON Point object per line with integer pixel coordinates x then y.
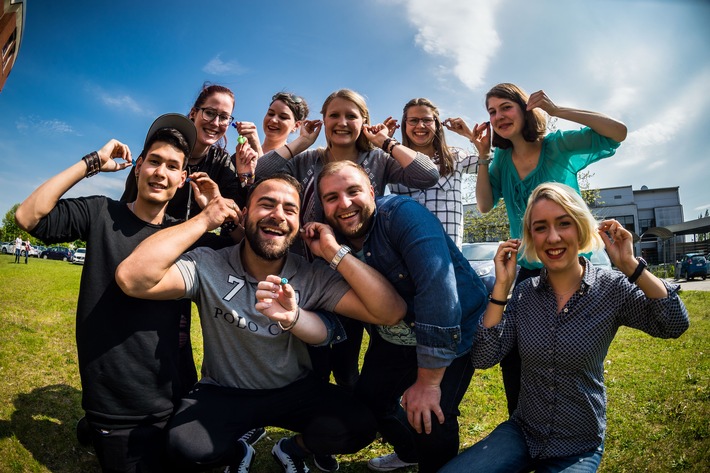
{"type": "Point", "coordinates": [639, 269]}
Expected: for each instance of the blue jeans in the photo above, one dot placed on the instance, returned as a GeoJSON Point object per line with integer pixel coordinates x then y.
{"type": "Point", "coordinates": [387, 372]}
{"type": "Point", "coordinates": [504, 450]}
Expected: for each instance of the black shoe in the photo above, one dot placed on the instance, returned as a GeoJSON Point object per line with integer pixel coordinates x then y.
{"type": "Point", "coordinates": [244, 464]}
{"type": "Point", "coordinates": [254, 435]}
{"type": "Point", "coordinates": [289, 463]}
{"type": "Point", "coordinates": [327, 463]}
{"type": "Point", "coordinates": [83, 432]}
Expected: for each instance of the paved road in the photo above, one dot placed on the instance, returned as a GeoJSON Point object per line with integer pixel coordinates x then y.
{"type": "Point", "coordinates": [696, 284]}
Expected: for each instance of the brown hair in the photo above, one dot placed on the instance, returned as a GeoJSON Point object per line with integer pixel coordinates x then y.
{"type": "Point", "coordinates": [334, 167]}
{"type": "Point", "coordinates": [535, 121]}
{"type": "Point", "coordinates": [208, 90]}
{"type": "Point", "coordinates": [446, 157]}
{"type": "Point", "coordinates": [362, 143]}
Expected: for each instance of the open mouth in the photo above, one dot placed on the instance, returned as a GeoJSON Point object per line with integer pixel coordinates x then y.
{"type": "Point", "coordinates": [555, 253]}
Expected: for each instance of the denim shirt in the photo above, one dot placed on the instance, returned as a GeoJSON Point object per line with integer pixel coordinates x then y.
{"type": "Point", "coordinates": [445, 298]}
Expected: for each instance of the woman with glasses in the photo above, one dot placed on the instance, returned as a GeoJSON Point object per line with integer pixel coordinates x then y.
{"type": "Point", "coordinates": [212, 114]}
{"type": "Point", "coordinates": [525, 156]}
{"type": "Point", "coordinates": [423, 131]}
{"type": "Point", "coordinates": [283, 117]}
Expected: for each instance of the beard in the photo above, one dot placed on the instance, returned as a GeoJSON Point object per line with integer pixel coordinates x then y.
{"type": "Point", "coordinates": [358, 230]}
{"type": "Point", "coordinates": [269, 250]}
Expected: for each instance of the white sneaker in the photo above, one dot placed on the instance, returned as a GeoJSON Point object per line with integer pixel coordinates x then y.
{"type": "Point", "coordinates": [254, 435]}
{"type": "Point", "coordinates": [245, 463]}
{"type": "Point", "coordinates": [388, 462]}
{"type": "Point", "coordinates": [289, 463]}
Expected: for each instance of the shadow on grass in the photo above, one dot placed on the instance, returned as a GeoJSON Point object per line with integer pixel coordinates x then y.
{"type": "Point", "coordinates": [44, 422]}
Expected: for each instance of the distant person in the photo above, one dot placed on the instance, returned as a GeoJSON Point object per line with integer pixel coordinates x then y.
{"type": "Point", "coordinates": [260, 306]}
{"type": "Point", "coordinates": [423, 131]}
{"type": "Point", "coordinates": [524, 158]}
{"type": "Point", "coordinates": [27, 250]}
{"type": "Point", "coordinates": [563, 321]}
{"type": "Point", "coordinates": [127, 347]}
{"type": "Point", "coordinates": [415, 373]}
{"type": "Point", "coordinates": [18, 248]}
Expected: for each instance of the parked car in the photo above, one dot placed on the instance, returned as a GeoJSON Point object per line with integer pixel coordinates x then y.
{"type": "Point", "coordinates": [8, 247]}
{"type": "Point", "coordinates": [58, 253]}
{"type": "Point", "coordinates": [693, 265]}
{"type": "Point", "coordinates": [79, 256]}
{"type": "Point", "coordinates": [600, 259]}
{"type": "Point", "coordinates": [480, 256]}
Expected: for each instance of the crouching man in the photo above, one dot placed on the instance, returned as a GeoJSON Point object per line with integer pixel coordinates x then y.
{"type": "Point", "coordinates": [423, 360]}
{"type": "Point", "coordinates": [258, 308]}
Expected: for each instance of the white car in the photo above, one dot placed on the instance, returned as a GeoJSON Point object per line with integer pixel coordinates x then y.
{"type": "Point", "coordinates": [79, 256]}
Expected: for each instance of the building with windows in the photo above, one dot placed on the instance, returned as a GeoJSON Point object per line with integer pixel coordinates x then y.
{"type": "Point", "coordinates": [640, 211]}
{"type": "Point", "coordinates": [12, 21]}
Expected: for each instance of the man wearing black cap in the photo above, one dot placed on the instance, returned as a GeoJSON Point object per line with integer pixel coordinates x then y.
{"type": "Point", "coordinates": [127, 347]}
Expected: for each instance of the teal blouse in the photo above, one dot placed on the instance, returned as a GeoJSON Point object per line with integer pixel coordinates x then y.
{"type": "Point", "coordinates": [563, 155]}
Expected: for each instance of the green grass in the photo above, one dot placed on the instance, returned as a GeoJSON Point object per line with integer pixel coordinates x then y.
{"type": "Point", "coordinates": [659, 395]}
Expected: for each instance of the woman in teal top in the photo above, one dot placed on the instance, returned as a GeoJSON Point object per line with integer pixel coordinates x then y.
{"type": "Point", "coordinates": [524, 158]}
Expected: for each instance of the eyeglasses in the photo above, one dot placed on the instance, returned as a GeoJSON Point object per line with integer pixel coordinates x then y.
{"type": "Point", "coordinates": [286, 96]}
{"type": "Point", "coordinates": [210, 114]}
{"type": "Point", "coordinates": [414, 121]}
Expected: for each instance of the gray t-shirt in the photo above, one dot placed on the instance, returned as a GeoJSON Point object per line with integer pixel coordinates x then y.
{"type": "Point", "coordinates": [242, 347]}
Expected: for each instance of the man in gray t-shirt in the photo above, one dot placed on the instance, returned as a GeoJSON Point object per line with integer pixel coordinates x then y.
{"type": "Point", "coordinates": [259, 307]}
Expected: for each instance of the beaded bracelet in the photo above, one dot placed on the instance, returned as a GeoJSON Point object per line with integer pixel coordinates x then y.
{"type": "Point", "coordinates": [228, 227]}
{"type": "Point", "coordinates": [93, 163]}
{"type": "Point", "coordinates": [392, 145]}
{"type": "Point", "coordinates": [245, 177]}
{"type": "Point", "coordinates": [292, 324]}
{"type": "Point", "coordinates": [386, 144]}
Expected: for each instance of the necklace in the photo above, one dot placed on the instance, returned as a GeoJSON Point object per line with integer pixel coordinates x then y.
{"type": "Point", "coordinates": [562, 295]}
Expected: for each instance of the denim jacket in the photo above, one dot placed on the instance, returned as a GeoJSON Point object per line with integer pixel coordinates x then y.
{"type": "Point", "coordinates": [445, 298]}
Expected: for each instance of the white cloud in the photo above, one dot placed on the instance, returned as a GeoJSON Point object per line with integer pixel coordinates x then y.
{"type": "Point", "coordinates": [219, 67]}
{"type": "Point", "coordinates": [460, 31]}
{"type": "Point", "coordinates": [123, 102]}
{"type": "Point", "coordinates": [34, 124]}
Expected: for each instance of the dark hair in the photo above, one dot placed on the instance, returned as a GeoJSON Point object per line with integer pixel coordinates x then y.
{"type": "Point", "coordinates": [296, 103]}
{"type": "Point", "coordinates": [287, 178]}
{"type": "Point", "coordinates": [207, 91]}
{"type": "Point", "coordinates": [362, 143]}
{"type": "Point", "coordinates": [440, 146]}
{"type": "Point", "coordinates": [172, 137]}
{"type": "Point", "coordinates": [535, 121]}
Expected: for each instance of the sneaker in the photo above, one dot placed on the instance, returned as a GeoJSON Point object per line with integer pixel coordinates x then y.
{"type": "Point", "coordinates": [389, 462]}
{"type": "Point", "coordinates": [254, 435]}
{"type": "Point", "coordinates": [245, 463]}
{"type": "Point", "coordinates": [289, 463]}
{"type": "Point", "coordinates": [327, 463]}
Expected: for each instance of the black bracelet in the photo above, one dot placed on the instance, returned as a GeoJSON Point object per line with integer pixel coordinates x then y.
{"type": "Point", "coordinates": [496, 301]}
{"type": "Point", "coordinates": [289, 150]}
{"type": "Point", "coordinates": [386, 144]}
{"type": "Point", "coordinates": [93, 163]}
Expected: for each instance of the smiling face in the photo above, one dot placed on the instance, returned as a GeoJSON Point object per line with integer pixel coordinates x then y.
{"type": "Point", "coordinates": [210, 132]}
{"type": "Point", "coordinates": [160, 173]}
{"type": "Point", "coordinates": [421, 134]}
{"type": "Point", "coordinates": [348, 202]}
{"type": "Point", "coordinates": [279, 122]}
{"type": "Point", "coordinates": [271, 219]}
{"type": "Point", "coordinates": [555, 236]}
{"type": "Point", "coordinates": [507, 117]}
{"type": "Point", "coordinates": [343, 122]}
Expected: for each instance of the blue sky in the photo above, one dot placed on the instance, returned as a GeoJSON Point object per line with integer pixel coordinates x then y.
{"type": "Point", "coordinates": [89, 71]}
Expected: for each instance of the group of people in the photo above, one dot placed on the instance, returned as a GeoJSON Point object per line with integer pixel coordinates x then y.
{"type": "Point", "coordinates": [318, 245]}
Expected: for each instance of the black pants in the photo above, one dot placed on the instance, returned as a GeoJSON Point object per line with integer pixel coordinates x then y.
{"type": "Point", "coordinates": [136, 450]}
{"type": "Point", "coordinates": [204, 431]}
{"type": "Point", "coordinates": [389, 370]}
{"type": "Point", "coordinates": [342, 358]}
{"type": "Point", "coordinates": [510, 364]}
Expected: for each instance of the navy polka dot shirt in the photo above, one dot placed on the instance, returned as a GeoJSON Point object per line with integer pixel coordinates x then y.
{"type": "Point", "coordinates": [562, 406]}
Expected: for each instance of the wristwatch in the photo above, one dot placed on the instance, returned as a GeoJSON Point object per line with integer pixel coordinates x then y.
{"type": "Point", "coordinates": [639, 269]}
{"type": "Point", "coordinates": [344, 250]}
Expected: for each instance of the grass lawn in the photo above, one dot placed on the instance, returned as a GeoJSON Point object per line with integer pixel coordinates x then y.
{"type": "Point", "coordinates": [659, 397]}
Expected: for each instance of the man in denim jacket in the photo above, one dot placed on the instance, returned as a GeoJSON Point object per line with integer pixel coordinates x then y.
{"type": "Point", "coordinates": [415, 373]}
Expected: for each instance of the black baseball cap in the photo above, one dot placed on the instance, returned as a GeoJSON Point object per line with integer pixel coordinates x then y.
{"type": "Point", "coordinates": [178, 121]}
